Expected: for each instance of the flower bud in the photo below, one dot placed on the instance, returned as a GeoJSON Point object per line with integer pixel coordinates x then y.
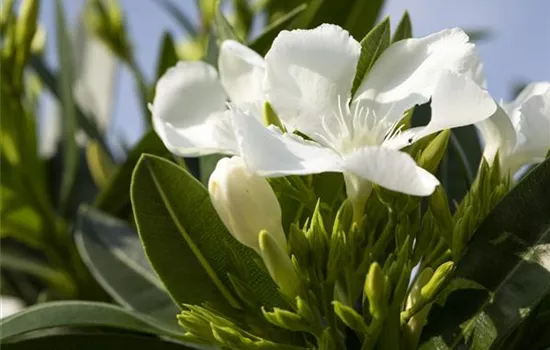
{"type": "Point", "coordinates": [279, 265]}
{"type": "Point", "coordinates": [245, 203]}
{"type": "Point", "coordinates": [375, 291]}
{"type": "Point", "coordinates": [434, 152]}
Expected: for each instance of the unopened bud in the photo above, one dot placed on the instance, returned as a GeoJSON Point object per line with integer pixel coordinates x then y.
{"type": "Point", "coordinates": [245, 203]}
{"type": "Point", "coordinates": [375, 291]}
{"type": "Point", "coordinates": [433, 153]}
{"type": "Point", "coordinates": [279, 265]}
{"type": "Point", "coordinates": [413, 328]}
{"type": "Point", "coordinates": [439, 206]}
{"type": "Point", "coordinates": [436, 281]}
{"type": "Point", "coordinates": [286, 319]}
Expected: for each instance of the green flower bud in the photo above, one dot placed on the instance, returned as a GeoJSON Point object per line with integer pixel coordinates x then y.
{"type": "Point", "coordinates": [245, 203]}
{"type": "Point", "coordinates": [279, 265]}
{"type": "Point", "coordinates": [286, 319]}
{"type": "Point", "coordinates": [27, 23]}
{"type": "Point", "coordinates": [439, 277]}
{"type": "Point", "coordinates": [439, 206]}
{"type": "Point", "coordinates": [375, 291]}
{"type": "Point", "coordinates": [413, 328]}
{"type": "Point", "coordinates": [350, 317]}
{"type": "Point", "coordinates": [433, 153]}
{"type": "Point", "coordinates": [344, 217]}
{"type": "Point", "coordinates": [338, 255]}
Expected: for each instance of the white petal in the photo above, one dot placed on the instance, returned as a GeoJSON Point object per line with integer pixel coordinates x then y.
{"type": "Point", "coordinates": [529, 91]}
{"type": "Point", "coordinates": [407, 72]}
{"type": "Point", "coordinates": [268, 152]}
{"type": "Point", "coordinates": [308, 73]}
{"type": "Point", "coordinates": [499, 134]}
{"type": "Point", "coordinates": [392, 169]}
{"type": "Point", "coordinates": [188, 111]}
{"type": "Point", "coordinates": [457, 101]}
{"type": "Point", "coordinates": [534, 127]}
{"type": "Point", "coordinates": [241, 72]}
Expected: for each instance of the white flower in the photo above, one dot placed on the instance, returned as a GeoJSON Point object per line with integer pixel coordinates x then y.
{"type": "Point", "coordinates": [519, 130]}
{"type": "Point", "coordinates": [246, 203]}
{"type": "Point", "coordinates": [10, 305]}
{"type": "Point", "coordinates": [309, 77]}
{"type": "Point", "coordinates": [189, 110]}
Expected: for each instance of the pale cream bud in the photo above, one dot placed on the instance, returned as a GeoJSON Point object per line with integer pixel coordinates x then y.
{"type": "Point", "coordinates": [245, 203]}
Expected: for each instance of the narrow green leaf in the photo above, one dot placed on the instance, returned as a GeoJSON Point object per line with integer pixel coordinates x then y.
{"type": "Point", "coordinates": [70, 158]}
{"type": "Point", "coordinates": [404, 28]}
{"type": "Point", "coordinates": [262, 42]}
{"type": "Point", "coordinates": [372, 46]}
{"type": "Point", "coordinates": [114, 199]}
{"type": "Point", "coordinates": [12, 260]}
{"type": "Point", "coordinates": [362, 16]}
{"type": "Point", "coordinates": [78, 314]}
{"type": "Point", "coordinates": [223, 29]}
{"type": "Point", "coordinates": [185, 240]}
{"type": "Point", "coordinates": [167, 55]}
{"type": "Point", "coordinates": [114, 255]}
{"type": "Point", "coordinates": [94, 342]}
{"type": "Point", "coordinates": [508, 256]}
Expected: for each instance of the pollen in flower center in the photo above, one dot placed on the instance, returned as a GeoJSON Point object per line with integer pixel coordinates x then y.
{"type": "Point", "coordinates": [354, 127]}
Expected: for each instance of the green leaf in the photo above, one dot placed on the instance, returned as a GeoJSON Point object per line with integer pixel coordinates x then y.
{"type": "Point", "coordinates": [372, 46]}
{"type": "Point", "coordinates": [78, 314]}
{"type": "Point", "coordinates": [404, 28]}
{"type": "Point", "coordinates": [114, 199]}
{"type": "Point", "coordinates": [508, 256]}
{"type": "Point", "coordinates": [262, 42]}
{"type": "Point", "coordinates": [94, 342]}
{"type": "Point", "coordinates": [113, 253]}
{"type": "Point", "coordinates": [185, 240]}
{"type": "Point", "coordinates": [167, 55]}
{"type": "Point", "coordinates": [71, 152]}
{"type": "Point", "coordinates": [362, 16]}
{"type": "Point", "coordinates": [12, 260]}
{"type": "Point", "coordinates": [462, 159]}
{"type": "Point", "coordinates": [222, 28]}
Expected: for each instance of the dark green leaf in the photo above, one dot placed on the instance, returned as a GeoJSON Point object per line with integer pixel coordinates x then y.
{"type": "Point", "coordinates": [94, 342]}
{"type": "Point", "coordinates": [362, 16]}
{"type": "Point", "coordinates": [262, 42]}
{"type": "Point", "coordinates": [508, 256]}
{"type": "Point", "coordinates": [71, 153]}
{"type": "Point", "coordinates": [167, 55]}
{"type": "Point", "coordinates": [113, 253]}
{"type": "Point", "coordinates": [404, 28]}
{"type": "Point", "coordinates": [78, 314]}
{"type": "Point", "coordinates": [185, 241]}
{"type": "Point", "coordinates": [372, 46]}
{"type": "Point", "coordinates": [463, 159]}
{"type": "Point", "coordinates": [114, 199]}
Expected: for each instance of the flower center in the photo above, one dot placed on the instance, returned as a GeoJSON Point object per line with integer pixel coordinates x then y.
{"type": "Point", "coordinates": [351, 128]}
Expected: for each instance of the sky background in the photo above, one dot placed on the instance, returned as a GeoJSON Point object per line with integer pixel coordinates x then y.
{"type": "Point", "coordinates": [517, 51]}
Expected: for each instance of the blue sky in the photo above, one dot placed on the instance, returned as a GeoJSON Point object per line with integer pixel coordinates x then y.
{"type": "Point", "coordinates": [518, 50]}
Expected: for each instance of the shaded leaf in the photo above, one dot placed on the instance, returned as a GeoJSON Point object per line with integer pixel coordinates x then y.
{"type": "Point", "coordinates": [78, 314]}
{"type": "Point", "coordinates": [222, 28]}
{"type": "Point", "coordinates": [168, 55]}
{"type": "Point", "coordinates": [113, 253]}
{"type": "Point", "coordinates": [509, 256]}
{"type": "Point", "coordinates": [70, 154]}
{"type": "Point", "coordinates": [93, 342]}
